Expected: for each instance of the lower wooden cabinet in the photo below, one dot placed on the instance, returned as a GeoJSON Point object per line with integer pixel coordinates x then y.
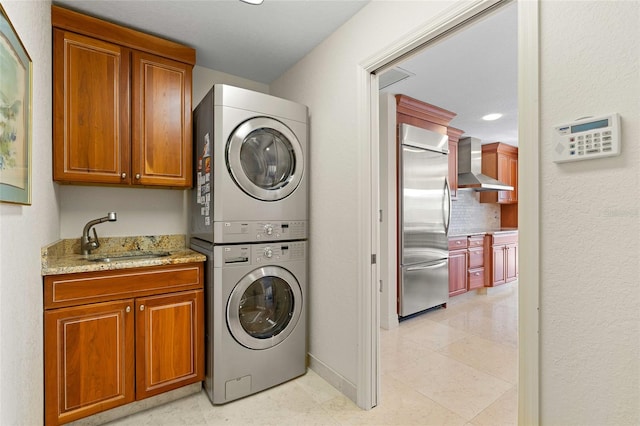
{"type": "Point", "coordinates": [89, 359]}
{"type": "Point", "coordinates": [169, 342]}
{"type": "Point", "coordinates": [503, 264]}
{"type": "Point", "coordinates": [105, 354]}
{"type": "Point", "coordinates": [457, 265]}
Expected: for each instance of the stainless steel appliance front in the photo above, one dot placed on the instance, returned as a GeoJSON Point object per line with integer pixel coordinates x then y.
{"type": "Point", "coordinates": [425, 213]}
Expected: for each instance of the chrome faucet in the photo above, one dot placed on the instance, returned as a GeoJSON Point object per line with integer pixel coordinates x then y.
{"type": "Point", "coordinates": [88, 243]}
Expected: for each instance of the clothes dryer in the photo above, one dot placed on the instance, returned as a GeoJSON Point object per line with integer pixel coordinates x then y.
{"type": "Point", "coordinates": [251, 164]}
{"type": "Point", "coordinates": [255, 317]}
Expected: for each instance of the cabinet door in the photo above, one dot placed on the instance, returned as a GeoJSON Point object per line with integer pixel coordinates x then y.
{"type": "Point", "coordinates": [504, 176]}
{"type": "Point", "coordinates": [513, 179]}
{"type": "Point", "coordinates": [499, 265]}
{"type": "Point", "coordinates": [457, 272]}
{"type": "Point", "coordinates": [511, 262]}
{"type": "Point", "coordinates": [91, 110]}
{"type": "Point", "coordinates": [453, 169]}
{"type": "Point", "coordinates": [89, 359]}
{"type": "Point", "coordinates": [169, 342]}
{"type": "Point", "coordinates": [161, 121]}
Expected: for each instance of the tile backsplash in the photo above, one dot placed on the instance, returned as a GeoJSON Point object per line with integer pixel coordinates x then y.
{"type": "Point", "coordinates": [468, 213]}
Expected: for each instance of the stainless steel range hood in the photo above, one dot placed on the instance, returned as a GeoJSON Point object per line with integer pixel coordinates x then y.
{"type": "Point", "coordinates": [470, 168]}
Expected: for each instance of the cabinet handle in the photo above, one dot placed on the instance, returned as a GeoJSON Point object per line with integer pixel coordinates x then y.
{"type": "Point", "coordinates": [142, 307]}
{"type": "Point", "coordinates": [138, 176]}
{"type": "Point", "coordinates": [128, 309]}
{"type": "Point", "coordinates": [123, 175]}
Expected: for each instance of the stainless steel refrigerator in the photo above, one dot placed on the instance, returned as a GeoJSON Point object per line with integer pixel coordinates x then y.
{"type": "Point", "coordinates": [424, 215]}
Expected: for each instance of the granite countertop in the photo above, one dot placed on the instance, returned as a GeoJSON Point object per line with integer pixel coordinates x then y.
{"type": "Point", "coordinates": [64, 256]}
{"type": "Point", "coordinates": [476, 231]}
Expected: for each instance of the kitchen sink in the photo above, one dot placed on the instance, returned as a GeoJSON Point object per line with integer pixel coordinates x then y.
{"type": "Point", "coordinates": [127, 256]}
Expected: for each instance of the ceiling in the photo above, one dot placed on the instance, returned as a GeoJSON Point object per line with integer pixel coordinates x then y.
{"type": "Point", "coordinates": [255, 42]}
{"type": "Point", "coordinates": [473, 72]}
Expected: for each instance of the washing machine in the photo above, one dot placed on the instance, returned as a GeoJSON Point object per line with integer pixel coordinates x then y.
{"type": "Point", "coordinates": [255, 317]}
{"type": "Point", "coordinates": [250, 167]}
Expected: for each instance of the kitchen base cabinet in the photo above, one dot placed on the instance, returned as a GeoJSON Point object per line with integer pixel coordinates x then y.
{"type": "Point", "coordinates": [146, 340]}
{"type": "Point", "coordinates": [89, 359]}
{"type": "Point", "coordinates": [169, 342]}
{"type": "Point", "coordinates": [503, 261]}
{"type": "Point", "coordinates": [475, 277]}
{"type": "Point", "coordinates": [457, 265]}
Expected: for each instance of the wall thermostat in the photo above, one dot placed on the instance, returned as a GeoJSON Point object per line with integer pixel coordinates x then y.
{"type": "Point", "coordinates": [587, 138]}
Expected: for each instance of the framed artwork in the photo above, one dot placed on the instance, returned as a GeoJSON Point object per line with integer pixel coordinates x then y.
{"type": "Point", "coordinates": [15, 116]}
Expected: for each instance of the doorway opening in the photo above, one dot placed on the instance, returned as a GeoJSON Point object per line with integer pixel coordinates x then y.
{"type": "Point", "coordinates": [528, 172]}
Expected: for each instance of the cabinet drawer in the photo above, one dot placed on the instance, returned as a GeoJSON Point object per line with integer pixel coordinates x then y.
{"type": "Point", "coordinates": [476, 257]}
{"type": "Point", "coordinates": [476, 241]}
{"type": "Point", "coordinates": [90, 287]}
{"type": "Point", "coordinates": [505, 238]}
{"type": "Point", "coordinates": [475, 278]}
{"type": "Point", "coordinates": [456, 243]}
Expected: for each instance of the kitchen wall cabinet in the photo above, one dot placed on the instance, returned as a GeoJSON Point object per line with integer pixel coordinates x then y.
{"type": "Point", "coordinates": [112, 337]}
{"type": "Point", "coordinates": [458, 265]}
{"type": "Point", "coordinates": [500, 161]}
{"type": "Point", "coordinates": [122, 105]}
{"type": "Point", "coordinates": [502, 258]}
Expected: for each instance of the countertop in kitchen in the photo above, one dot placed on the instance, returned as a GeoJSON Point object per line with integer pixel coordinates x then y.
{"type": "Point", "coordinates": [480, 231]}
{"type": "Point", "coordinates": [64, 256]}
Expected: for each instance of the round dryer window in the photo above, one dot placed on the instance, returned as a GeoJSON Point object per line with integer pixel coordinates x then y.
{"type": "Point", "coordinates": [264, 158]}
{"type": "Point", "coordinates": [264, 307]}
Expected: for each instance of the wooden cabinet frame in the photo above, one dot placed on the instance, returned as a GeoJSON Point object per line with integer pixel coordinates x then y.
{"type": "Point", "coordinates": [122, 105]}
{"type": "Point", "coordinates": [112, 337]}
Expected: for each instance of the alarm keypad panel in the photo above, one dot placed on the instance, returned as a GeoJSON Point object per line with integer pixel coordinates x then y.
{"type": "Point", "coordinates": [587, 138]}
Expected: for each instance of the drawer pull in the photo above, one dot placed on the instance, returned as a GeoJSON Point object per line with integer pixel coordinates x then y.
{"type": "Point", "coordinates": [142, 307]}
{"type": "Point", "coordinates": [128, 309]}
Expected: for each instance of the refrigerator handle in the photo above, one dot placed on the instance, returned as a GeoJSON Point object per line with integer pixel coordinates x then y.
{"type": "Point", "coordinates": [446, 201]}
{"type": "Point", "coordinates": [421, 267]}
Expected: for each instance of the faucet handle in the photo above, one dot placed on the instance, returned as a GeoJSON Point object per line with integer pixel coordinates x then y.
{"type": "Point", "coordinates": [95, 243]}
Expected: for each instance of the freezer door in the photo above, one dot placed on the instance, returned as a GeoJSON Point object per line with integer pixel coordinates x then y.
{"type": "Point", "coordinates": [425, 205]}
{"type": "Point", "coordinates": [424, 286]}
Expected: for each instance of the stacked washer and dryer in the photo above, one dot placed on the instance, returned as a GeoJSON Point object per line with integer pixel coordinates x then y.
{"type": "Point", "coordinates": [249, 217]}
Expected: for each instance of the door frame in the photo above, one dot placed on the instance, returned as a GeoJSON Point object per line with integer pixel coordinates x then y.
{"type": "Point", "coordinates": [368, 378]}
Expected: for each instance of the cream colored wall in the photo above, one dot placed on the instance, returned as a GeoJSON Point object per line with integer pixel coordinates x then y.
{"type": "Point", "coordinates": [23, 230]}
{"type": "Point", "coordinates": [590, 214]}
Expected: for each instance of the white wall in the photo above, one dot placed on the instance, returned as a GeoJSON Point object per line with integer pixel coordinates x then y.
{"type": "Point", "coordinates": [23, 230]}
{"type": "Point", "coordinates": [590, 211]}
{"type": "Point", "coordinates": [590, 253]}
{"type": "Point", "coordinates": [204, 78]}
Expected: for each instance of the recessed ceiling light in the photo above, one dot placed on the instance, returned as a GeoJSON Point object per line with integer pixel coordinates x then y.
{"type": "Point", "coordinates": [491, 117]}
{"type": "Point", "coordinates": [252, 1]}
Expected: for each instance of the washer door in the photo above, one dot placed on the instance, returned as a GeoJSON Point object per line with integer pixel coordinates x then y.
{"type": "Point", "coordinates": [264, 307]}
{"type": "Point", "coordinates": [264, 158]}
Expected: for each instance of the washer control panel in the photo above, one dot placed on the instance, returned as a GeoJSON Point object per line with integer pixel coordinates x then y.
{"type": "Point", "coordinates": [260, 254]}
{"type": "Point", "coordinates": [258, 231]}
{"type": "Point", "coordinates": [587, 138]}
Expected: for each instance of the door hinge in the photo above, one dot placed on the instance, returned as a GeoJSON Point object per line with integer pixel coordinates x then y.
{"type": "Point", "coordinates": [373, 259]}
{"type": "Point", "coordinates": [380, 286]}
{"type": "Point", "coordinates": [380, 215]}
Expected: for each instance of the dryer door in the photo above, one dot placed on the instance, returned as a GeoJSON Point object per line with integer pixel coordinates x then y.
{"type": "Point", "coordinates": [264, 307]}
{"type": "Point", "coordinates": [264, 158]}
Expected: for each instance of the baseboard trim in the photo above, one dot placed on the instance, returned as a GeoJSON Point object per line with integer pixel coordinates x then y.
{"type": "Point", "coordinates": [333, 378]}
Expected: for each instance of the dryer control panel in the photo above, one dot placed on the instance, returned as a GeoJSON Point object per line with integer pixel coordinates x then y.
{"type": "Point", "coordinates": [242, 232]}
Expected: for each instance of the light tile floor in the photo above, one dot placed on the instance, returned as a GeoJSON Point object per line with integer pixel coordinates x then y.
{"type": "Point", "coordinates": [454, 366]}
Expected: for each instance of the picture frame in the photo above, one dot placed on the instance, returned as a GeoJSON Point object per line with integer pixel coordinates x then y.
{"type": "Point", "coordinates": [16, 79]}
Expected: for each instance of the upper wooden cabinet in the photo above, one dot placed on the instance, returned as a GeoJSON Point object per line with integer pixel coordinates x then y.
{"type": "Point", "coordinates": [500, 161]}
{"type": "Point", "coordinates": [454, 137]}
{"type": "Point", "coordinates": [121, 105]}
